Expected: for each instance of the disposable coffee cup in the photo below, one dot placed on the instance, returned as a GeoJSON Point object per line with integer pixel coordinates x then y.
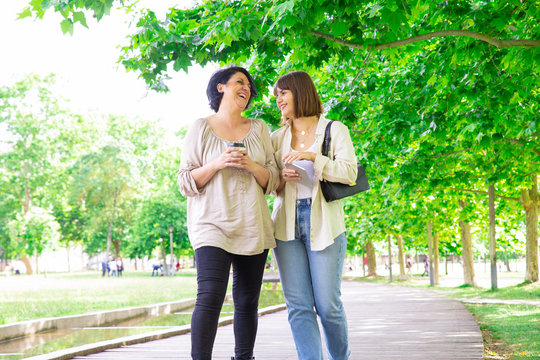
{"type": "Point", "coordinates": [237, 145]}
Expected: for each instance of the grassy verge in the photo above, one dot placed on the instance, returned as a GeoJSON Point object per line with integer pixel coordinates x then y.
{"type": "Point", "coordinates": [33, 297]}
{"type": "Point", "coordinates": [509, 331]}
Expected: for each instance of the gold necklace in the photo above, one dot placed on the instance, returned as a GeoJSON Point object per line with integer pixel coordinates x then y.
{"type": "Point", "coordinates": [303, 133]}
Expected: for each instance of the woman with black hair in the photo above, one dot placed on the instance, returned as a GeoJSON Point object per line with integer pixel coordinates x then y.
{"type": "Point", "coordinates": [226, 170]}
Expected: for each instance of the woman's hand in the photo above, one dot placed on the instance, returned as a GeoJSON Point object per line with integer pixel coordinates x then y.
{"type": "Point", "coordinates": [299, 155]}
{"type": "Point", "coordinates": [260, 173]}
{"type": "Point", "coordinates": [289, 175]}
{"type": "Point", "coordinates": [232, 157]}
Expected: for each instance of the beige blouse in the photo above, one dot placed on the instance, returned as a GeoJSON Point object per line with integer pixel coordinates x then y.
{"type": "Point", "coordinates": [230, 211]}
{"type": "Point", "coordinates": [327, 218]}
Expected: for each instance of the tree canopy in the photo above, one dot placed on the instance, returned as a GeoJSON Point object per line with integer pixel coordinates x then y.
{"type": "Point", "coordinates": [442, 97]}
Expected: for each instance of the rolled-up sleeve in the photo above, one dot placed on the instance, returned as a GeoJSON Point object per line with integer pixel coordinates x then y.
{"type": "Point", "coordinates": [191, 159]}
{"type": "Point", "coordinates": [270, 162]}
{"type": "Point", "coordinates": [340, 166]}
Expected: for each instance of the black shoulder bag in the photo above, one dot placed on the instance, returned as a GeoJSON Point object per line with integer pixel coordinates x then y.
{"type": "Point", "coordinates": [334, 190]}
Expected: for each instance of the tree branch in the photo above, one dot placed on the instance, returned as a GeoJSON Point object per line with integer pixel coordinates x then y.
{"type": "Point", "coordinates": [500, 44]}
{"type": "Point", "coordinates": [448, 154]}
{"type": "Point", "coordinates": [483, 192]}
{"type": "Point", "coordinates": [517, 142]}
{"type": "Point", "coordinates": [532, 173]}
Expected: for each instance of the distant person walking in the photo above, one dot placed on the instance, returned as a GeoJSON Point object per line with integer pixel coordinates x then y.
{"type": "Point", "coordinates": [426, 267]}
{"type": "Point", "coordinates": [227, 168]}
{"type": "Point", "coordinates": [104, 267]}
{"type": "Point", "coordinates": [409, 265]}
{"type": "Point", "coordinates": [112, 267]}
{"type": "Point", "coordinates": [119, 266]}
{"type": "Point", "coordinates": [156, 268]}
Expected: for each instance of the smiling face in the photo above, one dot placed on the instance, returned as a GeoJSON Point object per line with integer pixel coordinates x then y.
{"type": "Point", "coordinates": [237, 89]}
{"type": "Point", "coordinates": [296, 96]}
{"type": "Point", "coordinates": [285, 103]}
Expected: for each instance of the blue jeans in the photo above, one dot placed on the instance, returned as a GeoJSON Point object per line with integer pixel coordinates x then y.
{"type": "Point", "coordinates": [311, 283]}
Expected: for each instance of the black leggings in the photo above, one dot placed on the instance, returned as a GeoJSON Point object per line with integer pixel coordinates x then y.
{"type": "Point", "coordinates": [213, 266]}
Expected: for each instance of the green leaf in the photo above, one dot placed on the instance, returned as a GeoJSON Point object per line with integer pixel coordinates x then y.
{"type": "Point", "coordinates": [283, 8]}
{"type": "Point", "coordinates": [468, 23]}
{"type": "Point", "coordinates": [374, 10]}
{"type": "Point", "coordinates": [516, 99]}
{"type": "Point", "coordinates": [80, 17]}
{"type": "Point", "coordinates": [339, 28]}
{"type": "Point", "coordinates": [36, 3]}
{"type": "Point", "coordinates": [67, 26]}
{"type": "Point", "coordinates": [432, 80]}
{"type": "Point", "coordinates": [27, 12]}
{"type": "Point", "coordinates": [404, 6]}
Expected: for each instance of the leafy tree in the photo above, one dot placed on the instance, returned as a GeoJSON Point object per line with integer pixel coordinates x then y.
{"type": "Point", "coordinates": [441, 97]}
{"type": "Point", "coordinates": [104, 182]}
{"type": "Point", "coordinates": [33, 231]}
{"type": "Point", "coordinates": [39, 148]}
{"type": "Point", "coordinates": [162, 207]}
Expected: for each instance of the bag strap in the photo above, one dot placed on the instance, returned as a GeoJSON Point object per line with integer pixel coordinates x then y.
{"type": "Point", "coordinates": [327, 138]}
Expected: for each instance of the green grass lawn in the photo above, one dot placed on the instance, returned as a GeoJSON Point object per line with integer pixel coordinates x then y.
{"type": "Point", "coordinates": [520, 292]}
{"type": "Point", "coordinates": [514, 328]}
{"type": "Point", "coordinates": [33, 297]}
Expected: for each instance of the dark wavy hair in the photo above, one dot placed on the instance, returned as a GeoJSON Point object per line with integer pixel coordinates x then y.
{"type": "Point", "coordinates": [221, 76]}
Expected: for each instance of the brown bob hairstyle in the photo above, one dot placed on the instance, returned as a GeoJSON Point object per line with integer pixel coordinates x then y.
{"type": "Point", "coordinates": [306, 99]}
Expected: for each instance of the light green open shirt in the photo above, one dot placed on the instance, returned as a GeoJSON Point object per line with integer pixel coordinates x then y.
{"type": "Point", "coordinates": [230, 211]}
{"type": "Point", "coordinates": [327, 218]}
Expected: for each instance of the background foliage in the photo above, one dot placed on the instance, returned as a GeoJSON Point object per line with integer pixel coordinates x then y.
{"type": "Point", "coordinates": [442, 99]}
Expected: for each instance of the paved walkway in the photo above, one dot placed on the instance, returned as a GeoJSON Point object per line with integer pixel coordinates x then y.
{"type": "Point", "coordinates": [385, 322]}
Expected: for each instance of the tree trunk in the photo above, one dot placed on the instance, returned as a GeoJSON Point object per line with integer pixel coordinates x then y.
{"type": "Point", "coordinates": [371, 260]}
{"type": "Point", "coordinates": [27, 264]}
{"type": "Point", "coordinates": [401, 256]}
{"type": "Point", "coordinates": [68, 259]}
{"type": "Point", "coordinates": [507, 263]}
{"type": "Point", "coordinates": [111, 220]}
{"type": "Point", "coordinates": [164, 255]}
{"type": "Point", "coordinates": [116, 245]}
{"type": "Point", "coordinates": [363, 257]}
{"type": "Point", "coordinates": [27, 199]}
{"type": "Point", "coordinates": [466, 249]}
{"type": "Point", "coordinates": [529, 200]}
{"type": "Point", "coordinates": [436, 258]}
{"type": "Point", "coordinates": [389, 238]}
{"type": "Point", "coordinates": [492, 239]}
{"type": "Point", "coordinates": [430, 253]}
{"type": "Point", "coordinates": [26, 208]}
{"type": "Point", "coordinates": [109, 239]}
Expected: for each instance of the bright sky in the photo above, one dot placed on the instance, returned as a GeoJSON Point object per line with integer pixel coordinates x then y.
{"type": "Point", "coordinates": [87, 69]}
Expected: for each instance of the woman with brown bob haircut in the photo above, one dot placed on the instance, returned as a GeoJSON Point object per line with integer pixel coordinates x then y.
{"type": "Point", "coordinates": [310, 232]}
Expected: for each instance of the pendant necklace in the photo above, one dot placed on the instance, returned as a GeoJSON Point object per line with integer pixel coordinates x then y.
{"type": "Point", "coordinates": [303, 133]}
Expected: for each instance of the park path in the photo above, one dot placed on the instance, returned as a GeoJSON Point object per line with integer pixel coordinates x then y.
{"type": "Point", "coordinates": [385, 322]}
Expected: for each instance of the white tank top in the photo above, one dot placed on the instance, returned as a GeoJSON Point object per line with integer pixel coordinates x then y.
{"type": "Point", "coordinates": [303, 191]}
